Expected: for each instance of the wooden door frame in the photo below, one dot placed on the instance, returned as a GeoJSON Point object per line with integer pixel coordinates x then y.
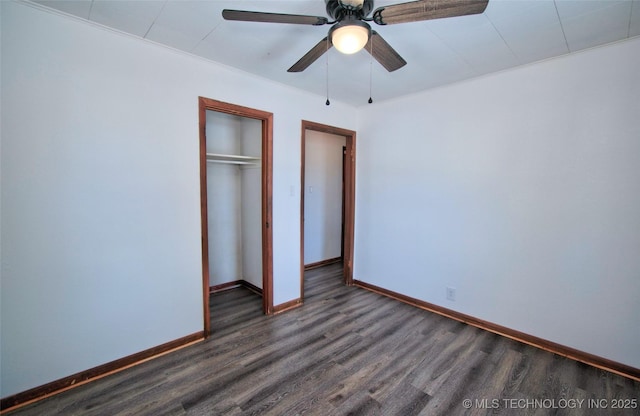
{"type": "Point", "coordinates": [207, 104]}
{"type": "Point", "coordinates": [349, 197]}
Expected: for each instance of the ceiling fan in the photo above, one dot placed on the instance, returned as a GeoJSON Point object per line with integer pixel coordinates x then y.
{"type": "Point", "coordinates": [350, 31]}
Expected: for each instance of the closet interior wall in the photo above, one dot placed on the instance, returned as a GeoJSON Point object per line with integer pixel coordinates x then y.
{"type": "Point", "coordinates": [234, 147]}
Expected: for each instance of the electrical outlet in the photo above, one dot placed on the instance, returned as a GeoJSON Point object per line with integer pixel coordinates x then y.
{"type": "Point", "coordinates": [451, 293]}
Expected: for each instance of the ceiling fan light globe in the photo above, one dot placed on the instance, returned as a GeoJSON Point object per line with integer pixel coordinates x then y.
{"type": "Point", "coordinates": [350, 39]}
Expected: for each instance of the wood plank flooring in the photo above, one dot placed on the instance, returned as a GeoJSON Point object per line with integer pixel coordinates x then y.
{"type": "Point", "coordinates": [346, 351]}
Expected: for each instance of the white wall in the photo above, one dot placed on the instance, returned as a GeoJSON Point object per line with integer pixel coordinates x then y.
{"type": "Point", "coordinates": [322, 196]}
{"type": "Point", "coordinates": [100, 191]}
{"type": "Point", "coordinates": [521, 190]}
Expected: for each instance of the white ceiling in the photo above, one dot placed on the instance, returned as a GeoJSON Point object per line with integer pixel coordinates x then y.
{"type": "Point", "coordinates": [438, 52]}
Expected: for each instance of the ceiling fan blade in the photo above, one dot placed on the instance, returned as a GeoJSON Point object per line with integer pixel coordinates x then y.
{"type": "Point", "coordinates": [298, 19]}
{"type": "Point", "coordinates": [310, 57]}
{"type": "Point", "coordinates": [415, 11]}
{"type": "Point", "coordinates": [384, 53]}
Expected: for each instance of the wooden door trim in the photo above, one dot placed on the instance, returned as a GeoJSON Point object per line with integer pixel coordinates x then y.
{"type": "Point", "coordinates": [349, 197]}
{"type": "Point", "coordinates": [205, 104]}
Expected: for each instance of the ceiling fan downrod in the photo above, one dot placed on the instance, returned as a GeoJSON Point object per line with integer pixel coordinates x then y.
{"type": "Point", "coordinates": [340, 9]}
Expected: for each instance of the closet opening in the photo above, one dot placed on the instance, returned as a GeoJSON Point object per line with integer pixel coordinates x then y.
{"type": "Point", "coordinates": [327, 198]}
{"type": "Point", "coordinates": [235, 195]}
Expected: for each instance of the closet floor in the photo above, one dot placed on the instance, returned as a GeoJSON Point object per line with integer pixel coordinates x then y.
{"type": "Point", "coordinates": [346, 351]}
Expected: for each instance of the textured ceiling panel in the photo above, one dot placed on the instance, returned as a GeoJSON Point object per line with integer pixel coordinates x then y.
{"type": "Point", "coordinates": [183, 25]}
{"type": "Point", "coordinates": [593, 23]}
{"type": "Point", "coordinates": [438, 52]}
{"type": "Point", "coordinates": [80, 8]}
{"type": "Point", "coordinates": [135, 17]}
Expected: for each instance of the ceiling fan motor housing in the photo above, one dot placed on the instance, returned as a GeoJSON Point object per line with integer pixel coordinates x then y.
{"type": "Point", "coordinates": [339, 9]}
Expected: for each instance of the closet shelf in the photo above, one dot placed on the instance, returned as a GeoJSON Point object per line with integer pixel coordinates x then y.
{"type": "Point", "coordinates": [233, 159]}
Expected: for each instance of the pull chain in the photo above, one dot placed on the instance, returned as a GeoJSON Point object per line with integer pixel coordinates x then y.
{"type": "Point", "coordinates": [370, 69]}
{"type": "Point", "coordinates": [327, 102]}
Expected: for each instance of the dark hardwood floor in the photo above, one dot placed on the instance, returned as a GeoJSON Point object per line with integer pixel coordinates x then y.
{"type": "Point", "coordinates": [347, 351]}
